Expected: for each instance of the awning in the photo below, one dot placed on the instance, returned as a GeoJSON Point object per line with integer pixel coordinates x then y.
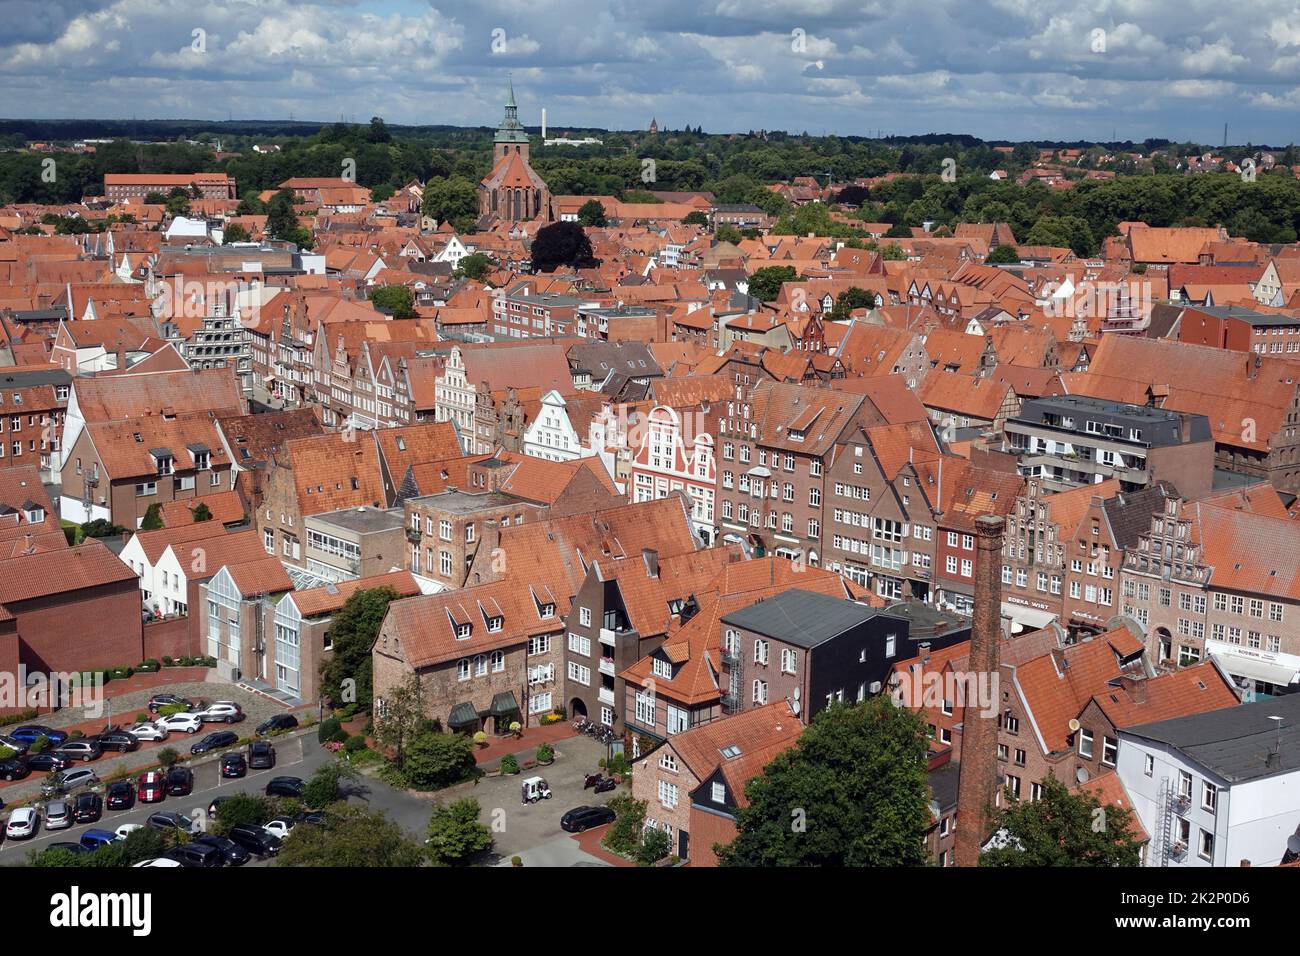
{"type": "Point", "coordinates": [462, 715]}
{"type": "Point", "coordinates": [1027, 618]}
{"type": "Point", "coordinates": [504, 704]}
{"type": "Point", "coordinates": [1240, 666]}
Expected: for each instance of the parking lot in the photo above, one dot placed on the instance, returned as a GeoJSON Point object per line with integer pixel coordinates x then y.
{"type": "Point", "coordinates": [296, 756]}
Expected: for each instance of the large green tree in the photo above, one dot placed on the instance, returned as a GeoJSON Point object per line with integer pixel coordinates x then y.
{"type": "Point", "coordinates": [592, 213]}
{"type": "Point", "coordinates": [1064, 828]}
{"type": "Point", "coordinates": [354, 631]}
{"type": "Point", "coordinates": [853, 298]}
{"type": "Point", "coordinates": [451, 199]}
{"type": "Point", "coordinates": [561, 244]}
{"type": "Point", "coordinates": [765, 283]}
{"type": "Point", "coordinates": [455, 835]}
{"type": "Point", "coordinates": [853, 791]}
{"type": "Point", "coordinates": [356, 837]}
{"type": "Point", "coordinates": [434, 760]}
{"type": "Point", "coordinates": [397, 300]}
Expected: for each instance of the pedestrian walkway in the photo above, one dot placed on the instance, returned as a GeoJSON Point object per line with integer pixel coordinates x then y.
{"type": "Point", "coordinates": [524, 746]}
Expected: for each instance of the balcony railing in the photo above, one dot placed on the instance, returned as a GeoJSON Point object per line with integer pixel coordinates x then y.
{"type": "Point", "coordinates": [607, 666]}
{"type": "Point", "coordinates": [606, 696]}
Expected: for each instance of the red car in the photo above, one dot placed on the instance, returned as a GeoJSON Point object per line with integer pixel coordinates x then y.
{"type": "Point", "coordinates": [151, 787]}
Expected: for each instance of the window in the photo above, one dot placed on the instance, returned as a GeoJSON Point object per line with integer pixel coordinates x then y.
{"type": "Point", "coordinates": [1149, 765]}
{"type": "Point", "coordinates": [760, 652]}
{"type": "Point", "coordinates": [444, 563]}
{"type": "Point", "coordinates": [579, 673]}
{"type": "Point", "coordinates": [1184, 784]}
{"type": "Point", "coordinates": [787, 661]}
{"type": "Point", "coordinates": [584, 616]}
{"type": "Point", "coordinates": [1109, 751]}
{"type": "Point", "coordinates": [667, 794]}
{"type": "Point", "coordinates": [645, 708]}
{"type": "Point", "coordinates": [679, 719]}
{"type": "Point", "coordinates": [579, 644]}
{"type": "Point", "coordinates": [444, 530]}
{"type": "Point", "coordinates": [668, 762]}
{"type": "Point", "coordinates": [462, 669]}
{"type": "Point", "coordinates": [760, 692]}
{"type": "Point", "coordinates": [1209, 796]}
{"type": "Point", "coordinates": [480, 665]}
{"type": "Point", "coordinates": [718, 793]}
{"type": "Point", "coordinates": [661, 668]}
{"type": "Point", "coordinates": [539, 644]}
{"type": "Point", "coordinates": [1205, 848]}
{"type": "Point", "coordinates": [1085, 744]}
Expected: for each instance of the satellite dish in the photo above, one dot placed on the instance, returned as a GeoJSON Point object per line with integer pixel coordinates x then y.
{"type": "Point", "coordinates": [1081, 775]}
{"type": "Point", "coordinates": [1074, 725]}
{"type": "Point", "coordinates": [1293, 844]}
{"type": "Point", "coordinates": [796, 693]}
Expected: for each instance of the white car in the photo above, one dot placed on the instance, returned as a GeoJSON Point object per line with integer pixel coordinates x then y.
{"type": "Point", "coordinates": [220, 711]}
{"type": "Point", "coordinates": [23, 824]}
{"type": "Point", "coordinates": [149, 731]}
{"type": "Point", "coordinates": [186, 723]}
{"type": "Point", "coordinates": [279, 827]}
{"type": "Point", "coordinates": [158, 861]}
{"type": "Point", "coordinates": [126, 829]}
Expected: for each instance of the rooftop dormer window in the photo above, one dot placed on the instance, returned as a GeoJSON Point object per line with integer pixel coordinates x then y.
{"type": "Point", "coordinates": [463, 631]}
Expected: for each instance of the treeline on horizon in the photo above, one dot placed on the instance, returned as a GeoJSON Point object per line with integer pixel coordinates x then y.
{"type": "Point", "coordinates": [736, 169]}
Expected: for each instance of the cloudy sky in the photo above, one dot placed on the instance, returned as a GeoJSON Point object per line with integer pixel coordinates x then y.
{"type": "Point", "coordinates": [1016, 69]}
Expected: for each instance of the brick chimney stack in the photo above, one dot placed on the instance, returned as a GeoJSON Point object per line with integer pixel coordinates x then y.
{"type": "Point", "coordinates": [978, 778]}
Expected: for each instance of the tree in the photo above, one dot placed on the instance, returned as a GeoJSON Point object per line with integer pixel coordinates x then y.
{"type": "Point", "coordinates": [451, 199]}
{"type": "Point", "coordinates": [202, 512]}
{"type": "Point", "coordinates": [728, 233]}
{"type": "Point", "coordinates": [178, 202]}
{"type": "Point", "coordinates": [152, 518]}
{"type": "Point", "coordinates": [1003, 254]}
{"type": "Point", "coordinates": [624, 835]}
{"type": "Point", "coordinates": [853, 298]}
{"type": "Point", "coordinates": [852, 196]}
{"type": "Point", "coordinates": [235, 233]}
{"type": "Point", "coordinates": [281, 220]}
{"type": "Point", "coordinates": [892, 252]}
{"type": "Point", "coordinates": [655, 845]}
{"type": "Point", "coordinates": [356, 837]}
{"type": "Point", "coordinates": [592, 213]}
{"type": "Point", "coordinates": [765, 283]}
{"type": "Point", "coordinates": [455, 835]}
{"type": "Point", "coordinates": [561, 244]}
{"type": "Point", "coordinates": [1062, 828]}
{"type": "Point", "coordinates": [853, 791]}
{"type": "Point", "coordinates": [695, 217]}
{"type": "Point", "coordinates": [434, 760]}
{"type": "Point", "coordinates": [403, 714]}
{"type": "Point", "coordinates": [248, 808]}
{"type": "Point", "coordinates": [355, 628]}
{"type": "Point", "coordinates": [324, 786]}
{"type": "Point", "coordinates": [477, 266]}
{"type": "Point", "coordinates": [397, 300]}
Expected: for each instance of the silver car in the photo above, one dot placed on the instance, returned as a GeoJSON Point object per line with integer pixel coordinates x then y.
{"type": "Point", "coordinates": [58, 815]}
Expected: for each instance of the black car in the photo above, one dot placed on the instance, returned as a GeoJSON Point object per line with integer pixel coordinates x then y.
{"type": "Point", "coordinates": [13, 768]}
{"type": "Point", "coordinates": [123, 741]}
{"type": "Point", "coordinates": [215, 805]}
{"type": "Point", "coordinates": [314, 817]}
{"type": "Point", "coordinates": [261, 755]}
{"type": "Point", "coordinates": [158, 701]}
{"type": "Point", "coordinates": [47, 761]}
{"type": "Point", "coordinates": [180, 782]}
{"type": "Point", "coordinates": [232, 852]}
{"type": "Point", "coordinates": [70, 847]}
{"type": "Point", "coordinates": [233, 765]}
{"type": "Point", "coordinates": [196, 854]}
{"type": "Point", "coordinates": [584, 818]}
{"type": "Point", "coordinates": [168, 822]}
{"type": "Point", "coordinates": [87, 808]}
{"type": "Point", "coordinates": [120, 795]}
{"type": "Point", "coordinates": [286, 787]}
{"type": "Point", "coordinates": [255, 840]}
{"type": "Point", "coordinates": [278, 722]}
{"type": "Point", "coordinates": [215, 741]}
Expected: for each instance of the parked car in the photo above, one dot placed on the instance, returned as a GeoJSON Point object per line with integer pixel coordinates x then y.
{"type": "Point", "coordinates": [215, 805]}
{"type": "Point", "coordinates": [584, 818]}
{"type": "Point", "coordinates": [22, 824]}
{"type": "Point", "coordinates": [94, 838]}
{"type": "Point", "coordinates": [66, 781]}
{"type": "Point", "coordinates": [180, 782]}
{"type": "Point", "coordinates": [121, 741]}
{"type": "Point", "coordinates": [150, 787]}
{"type": "Point", "coordinates": [278, 722]}
{"type": "Point", "coordinates": [120, 795]}
{"type": "Point", "coordinates": [233, 765]}
{"type": "Point", "coordinates": [30, 733]}
{"type": "Point", "coordinates": [159, 861]}
{"type": "Point", "coordinates": [13, 768]}
{"type": "Point", "coordinates": [286, 787]}
{"type": "Point", "coordinates": [58, 814]}
{"type": "Point", "coordinates": [255, 840]}
{"type": "Point", "coordinates": [234, 854]}
{"type": "Point", "coordinates": [196, 854]}
{"type": "Point", "coordinates": [86, 749]}
{"type": "Point", "coordinates": [158, 701]}
{"type": "Point", "coordinates": [47, 761]}
{"type": "Point", "coordinates": [314, 817]}
{"type": "Point", "coordinates": [126, 829]}
{"type": "Point", "coordinates": [280, 827]}
{"type": "Point", "coordinates": [215, 741]}
{"type": "Point", "coordinates": [19, 747]}
{"type": "Point", "coordinates": [261, 755]}
{"type": "Point", "coordinates": [220, 712]}
{"type": "Point", "coordinates": [87, 807]}
{"type": "Point", "coordinates": [149, 731]}
{"type": "Point", "coordinates": [70, 847]}
{"type": "Point", "coordinates": [185, 723]}
{"type": "Point", "coordinates": [168, 822]}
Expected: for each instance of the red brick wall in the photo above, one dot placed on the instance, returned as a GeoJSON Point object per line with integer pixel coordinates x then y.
{"type": "Point", "coordinates": [706, 830]}
{"type": "Point", "coordinates": [95, 627]}
{"type": "Point", "coordinates": [171, 638]}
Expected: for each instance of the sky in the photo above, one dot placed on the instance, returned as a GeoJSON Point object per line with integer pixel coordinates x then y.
{"type": "Point", "coordinates": [1001, 69]}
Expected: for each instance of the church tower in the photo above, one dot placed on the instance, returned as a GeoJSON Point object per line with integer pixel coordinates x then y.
{"type": "Point", "coordinates": [511, 137]}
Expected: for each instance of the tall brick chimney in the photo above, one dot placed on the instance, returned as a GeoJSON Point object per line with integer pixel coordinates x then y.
{"type": "Point", "coordinates": [978, 778]}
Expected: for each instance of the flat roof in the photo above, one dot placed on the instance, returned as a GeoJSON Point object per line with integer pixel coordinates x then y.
{"type": "Point", "coordinates": [803, 618]}
{"type": "Point", "coordinates": [363, 520]}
